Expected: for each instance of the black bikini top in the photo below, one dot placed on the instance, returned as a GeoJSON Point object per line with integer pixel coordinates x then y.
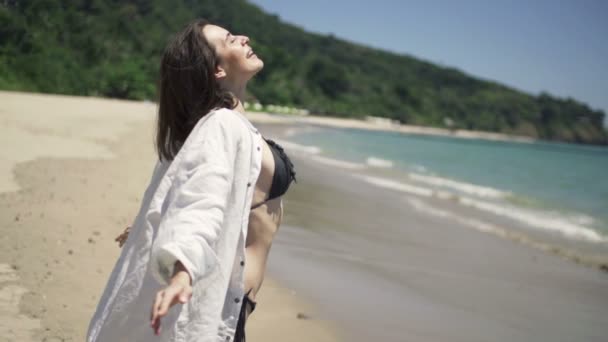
{"type": "Point", "coordinates": [284, 172]}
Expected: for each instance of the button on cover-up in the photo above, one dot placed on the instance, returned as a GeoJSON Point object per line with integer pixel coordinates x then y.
{"type": "Point", "coordinates": [195, 210]}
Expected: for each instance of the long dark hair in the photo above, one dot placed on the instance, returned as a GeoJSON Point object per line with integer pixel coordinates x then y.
{"type": "Point", "coordinates": [187, 88]}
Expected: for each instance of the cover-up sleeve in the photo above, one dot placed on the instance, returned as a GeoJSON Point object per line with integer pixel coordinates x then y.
{"type": "Point", "coordinates": [196, 205]}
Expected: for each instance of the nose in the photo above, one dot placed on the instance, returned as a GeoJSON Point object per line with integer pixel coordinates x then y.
{"type": "Point", "coordinates": [244, 40]}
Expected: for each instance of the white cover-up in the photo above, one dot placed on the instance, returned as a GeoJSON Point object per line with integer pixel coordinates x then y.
{"type": "Point", "coordinates": [195, 210]}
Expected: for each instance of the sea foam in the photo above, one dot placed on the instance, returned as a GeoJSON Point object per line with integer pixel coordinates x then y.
{"type": "Point", "coordinates": [291, 146]}
{"type": "Point", "coordinates": [471, 189]}
{"type": "Point", "coordinates": [395, 185]}
{"type": "Point", "coordinates": [379, 162]}
{"type": "Point", "coordinates": [337, 162]}
{"type": "Point", "coordinates": [482, 198]}
{"type": "Point", "coordinates": [545, 220]}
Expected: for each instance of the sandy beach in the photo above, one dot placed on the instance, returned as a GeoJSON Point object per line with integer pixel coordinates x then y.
{"type": "Point", "coordinates": [74, 170]}
{"type": "Point", "coordinates": [352, 261]}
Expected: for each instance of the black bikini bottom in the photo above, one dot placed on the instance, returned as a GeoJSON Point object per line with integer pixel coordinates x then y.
{"type": "Point", "coordinates": [239, 335]}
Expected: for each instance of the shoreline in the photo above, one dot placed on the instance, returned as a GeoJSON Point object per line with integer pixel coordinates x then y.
{"type": "Point", "coordinates": [388, 127]}
{"type": "Point", "coordinates": [75, 170]}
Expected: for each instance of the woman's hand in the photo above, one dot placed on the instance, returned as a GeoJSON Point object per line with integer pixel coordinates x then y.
{"type": "Point", "coordinates": [123, 237]}
{"type": "Point", "coordinates": [178, 291]}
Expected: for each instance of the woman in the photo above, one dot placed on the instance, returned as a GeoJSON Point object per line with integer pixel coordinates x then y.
{"type": "Point", "coordinates": [198, 241]}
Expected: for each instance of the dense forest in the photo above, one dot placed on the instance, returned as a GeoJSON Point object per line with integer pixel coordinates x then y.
{"type": "Point", "coordinates": [112, 48]}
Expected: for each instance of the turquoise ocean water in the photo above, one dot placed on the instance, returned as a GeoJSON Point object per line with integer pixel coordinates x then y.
{"type": "Point", "coordinates": [549, 186]}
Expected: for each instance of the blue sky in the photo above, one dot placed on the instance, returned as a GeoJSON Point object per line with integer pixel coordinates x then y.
{"type": "Point", "coordinates": [537, 45]}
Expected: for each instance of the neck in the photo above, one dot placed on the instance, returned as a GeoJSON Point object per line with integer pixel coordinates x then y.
{"type": "Point", "coordinates": [239, 93]}
{"type": "Point", "coordinates": [239, 107]}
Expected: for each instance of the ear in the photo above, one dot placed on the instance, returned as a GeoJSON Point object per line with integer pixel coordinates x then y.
{"type": "Point", "coordinates": [220, 73]}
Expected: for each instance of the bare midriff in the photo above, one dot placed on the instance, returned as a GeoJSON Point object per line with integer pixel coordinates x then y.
{"type": "Point", "coordinates": [264, 222]}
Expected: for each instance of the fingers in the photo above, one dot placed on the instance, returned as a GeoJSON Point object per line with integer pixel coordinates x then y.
{"type": "Point", "coordinates": [123, 234]}
{"type": "Point", "coordinates": [167, 301]}
{"type": "Point", "coordinates": [154, 318]}
{"type": "Point", "coordinates": [164, 300]}
{"type": "Point", "coordinates": [156, 305]}
{"type": "Point", "coordinates": [156, 326]}
{"type": "Point", "coordinates": [121, 239]}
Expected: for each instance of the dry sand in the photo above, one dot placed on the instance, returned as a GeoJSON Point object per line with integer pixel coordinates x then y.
{"type": "Point", "coordinates": [72, 174]}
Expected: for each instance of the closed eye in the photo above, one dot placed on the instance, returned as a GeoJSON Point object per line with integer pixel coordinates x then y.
{"type": "Point", "coordinates": [229, 35]}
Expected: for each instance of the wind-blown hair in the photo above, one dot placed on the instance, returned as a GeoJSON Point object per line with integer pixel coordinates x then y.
{"type": "Point", "coordinates": [187, 88]}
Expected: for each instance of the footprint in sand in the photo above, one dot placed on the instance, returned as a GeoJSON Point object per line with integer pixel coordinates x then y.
{"type": "Point", "coordinates": [14, 326]}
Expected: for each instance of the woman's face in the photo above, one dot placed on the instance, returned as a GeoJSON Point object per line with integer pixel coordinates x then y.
{"type": "Point", "coordinates": [237, 61]}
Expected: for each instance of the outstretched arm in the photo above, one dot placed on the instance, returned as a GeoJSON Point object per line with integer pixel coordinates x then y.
{"type": "Point", "coordinates": [197, 200]}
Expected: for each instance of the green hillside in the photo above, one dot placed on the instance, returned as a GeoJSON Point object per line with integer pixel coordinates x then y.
{"type": "Point", "coordinates": [112, 48]}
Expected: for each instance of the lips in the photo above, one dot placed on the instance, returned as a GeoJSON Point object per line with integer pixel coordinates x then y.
{"type": "Point", "coordinates": [250, 53]}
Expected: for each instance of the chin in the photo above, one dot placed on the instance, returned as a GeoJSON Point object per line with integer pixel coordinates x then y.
{"type": "Point", "coordinates": [259, 66]}
{"type": "Point", "coordinates": [253, 67]}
